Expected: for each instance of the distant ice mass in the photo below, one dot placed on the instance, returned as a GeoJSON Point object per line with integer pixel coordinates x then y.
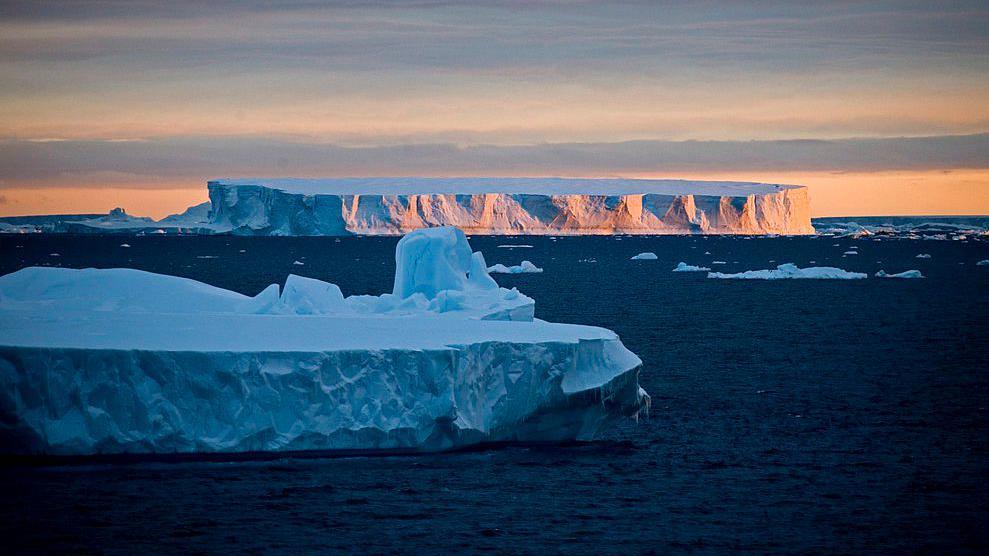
{"type": "Point", "coordinates": [789, 270]}
{"type": "Point", "coordinates": [506, 206]}
{"type": "Point", "coordinates": [908, 227]}
{"type": "Point", "coordinates": [983, 262]}
{"type": "Point", "coordinates": [684, 267]}
{"type": "Point", "coordinates": [120, 360]}
{"type": "Point", "coordinates": [923, 256]}
{"type": "Point", "coordinates": [521, 268]}
{"type": "Point", "coordinates": [904, 274]}
{"type": "Point", "coordinates": [514, 246]}
{"type": "Point", "coordinates": [647, 256]}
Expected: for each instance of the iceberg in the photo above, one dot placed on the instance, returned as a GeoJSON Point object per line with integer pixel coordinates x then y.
{"type": "Point", "coordinates": [789, 270]}
{"type": "Point", "coordinates": [923, 256]}
{"type": "Point", "coordinates": [684, 267]}
{"type": "Point", "coordinates": [524, 267]}
{"type": "Point", "coordinates": [124, 361]}
{"type": "Point", "coordinates": [194, 220]}
{"type": "Point", "coordinates": [983, 262]}
{"type": "Point", "coordinates": [647, 256]}
{"type": "Point", "coordinates": [505, 206]}
{"type": "Point", "coordinates": [904, 274]}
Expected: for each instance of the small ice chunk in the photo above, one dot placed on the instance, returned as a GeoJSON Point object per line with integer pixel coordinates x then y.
{"type": "Point", "coordinates": [905, 274]}
{"type": "Point", "coordinates": [718, 262]}
{"type": "Point", "coordinates": [646, 256]}
{"type": "Point", "coordinates": [125, 245]}
{"type": "Point", "coordinates": [923, 256]}
{"type": "Point", "coordinates": [300, 263]}
{"type": "Point", "coordinates": [525, 267]}
{"type": "Point", "coordinates": [983, 262]}
{"type": "Point", "coordinates": [514, 246]}
{"type": "Point", "coordinates": [684, 267]}
{"type": "Point", "coordinates": [791, 271]}
{"type": "Point", "coordinates": [850, 253]}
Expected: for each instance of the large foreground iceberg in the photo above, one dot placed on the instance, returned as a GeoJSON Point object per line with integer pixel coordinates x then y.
{"type": "Point", "coordinates": [112, 361]}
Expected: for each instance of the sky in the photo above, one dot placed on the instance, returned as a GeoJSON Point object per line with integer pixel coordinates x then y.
{"type": "Point", "coordinates": [878, 107]}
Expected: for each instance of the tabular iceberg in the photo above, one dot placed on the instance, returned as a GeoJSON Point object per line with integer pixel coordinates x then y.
{"type": "Point", "coordinates": [500, 206]}
{"type": "Point", "coordinates": [112, 361]}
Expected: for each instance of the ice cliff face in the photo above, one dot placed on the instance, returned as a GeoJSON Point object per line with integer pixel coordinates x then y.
{"type": "Point", "coordinates": [111, 361]}
{"type": "Point", "coordinates": [505, 206]}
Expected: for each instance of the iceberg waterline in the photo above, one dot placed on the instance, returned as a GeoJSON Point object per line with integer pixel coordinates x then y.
{"type": "Point", "coordinates": [107, 361]}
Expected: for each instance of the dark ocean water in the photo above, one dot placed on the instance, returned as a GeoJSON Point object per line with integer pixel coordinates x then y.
{"type": "Point", "coordinates": [787, 416]}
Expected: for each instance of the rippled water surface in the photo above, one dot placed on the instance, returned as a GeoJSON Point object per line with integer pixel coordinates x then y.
{"type": "Point", "coordinates": [787, 416]}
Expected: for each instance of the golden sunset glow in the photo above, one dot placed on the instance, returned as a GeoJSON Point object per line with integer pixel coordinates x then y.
{"type": "Point", "coordinates": [878, 110]}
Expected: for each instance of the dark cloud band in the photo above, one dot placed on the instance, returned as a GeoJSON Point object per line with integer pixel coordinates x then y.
{"type": "Point", "coordinates": [61, 162]}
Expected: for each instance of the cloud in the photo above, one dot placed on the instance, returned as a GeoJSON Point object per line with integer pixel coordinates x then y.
{"type": "Point", "coordinates": [200, 158]}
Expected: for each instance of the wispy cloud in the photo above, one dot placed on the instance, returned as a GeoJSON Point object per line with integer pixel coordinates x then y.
{"type": "Point", "coordinates": [79, 163]}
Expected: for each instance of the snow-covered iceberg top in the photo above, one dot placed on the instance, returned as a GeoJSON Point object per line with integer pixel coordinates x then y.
{"type": "Point", "coordinates": [119, 360]}
{"type": "Point", "coordinates": [787, 271]}
{"type": "Point", "coordinates": [525, 267]}
{"type": "Point", "coordinates": [474, 185]}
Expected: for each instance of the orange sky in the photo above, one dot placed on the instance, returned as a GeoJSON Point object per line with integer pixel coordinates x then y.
{"type": "Point", "coordinates": [104, 104]}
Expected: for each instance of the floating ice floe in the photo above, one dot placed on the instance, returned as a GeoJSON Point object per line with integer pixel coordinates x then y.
{"type": "Point", "coordinates": [120, 360]}
{"type": "Point", "coordinates": [718, 262]}
{"type": "Point", "coordinates": [125, 245]}
{"type": "Point", "coordinates": [684, 267]}
{"type": "Point", "coordinates": [524, 267]}
{"type": "Point", "coordinates": [791, 271]}
{"type": "Point", "coordinates": [514, 246]}
{"type": "Point", "coordinates": [923, 256]}
{"type": "Point", "coordinates": [850, 253]}
{"type": "Point", "coordinates": [905, 274]}
{"type": "Point", "coordinates": [299, 263]}
{"type": "Point", "coordinates": [646, 256]}
{"type": "Point", "coordinates": [983, 262]}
